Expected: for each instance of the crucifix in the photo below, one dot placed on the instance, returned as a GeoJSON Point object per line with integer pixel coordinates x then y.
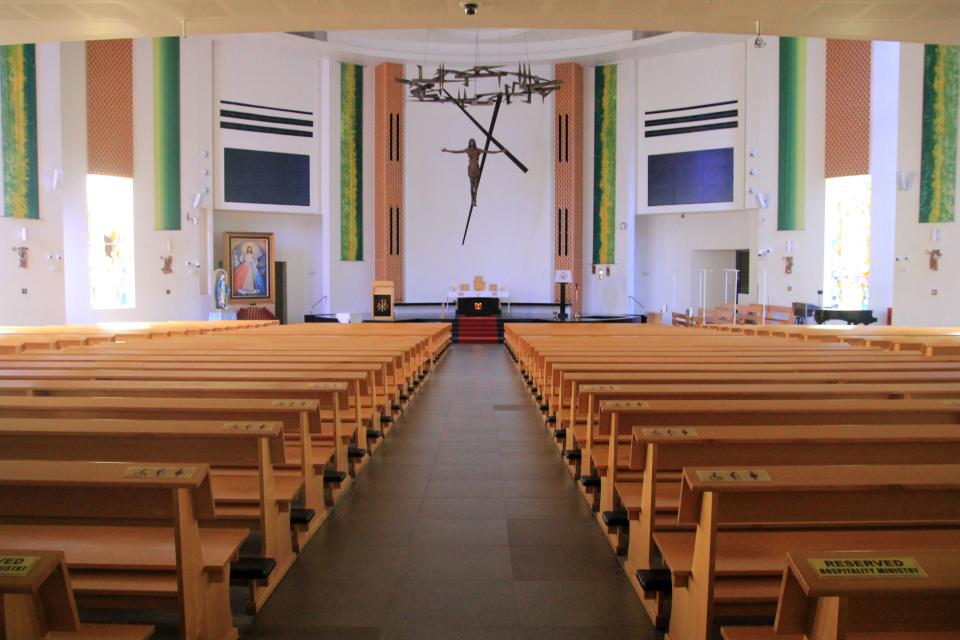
{"type": "Point", "coordinates": [475, 168]}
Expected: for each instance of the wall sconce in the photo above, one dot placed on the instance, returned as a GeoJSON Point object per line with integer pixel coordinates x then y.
{"type": "Point", "coordinates": [167, 262]}
{"type": "Point", "coordinates": [601, 270]}
{"type": "Point", "coordinates": [935, 255]}
{"type": "Point", "coordinates": [54, 261]}
{"type": "Point", "coordinates": [788, 264]}
{"type": "Point", "coordinates": [904, 180]}
{"type": "Point", "coordinates": [762, 199]}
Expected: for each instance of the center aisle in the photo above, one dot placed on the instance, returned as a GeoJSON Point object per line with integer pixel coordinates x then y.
{"type": "Point", "coordinates": [463, 525]}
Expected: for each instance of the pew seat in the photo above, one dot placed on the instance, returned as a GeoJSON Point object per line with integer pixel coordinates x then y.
{"type": "Point", "coordinates": [920, 605]}
{"type": "Point", "coordinates": [39, 604]}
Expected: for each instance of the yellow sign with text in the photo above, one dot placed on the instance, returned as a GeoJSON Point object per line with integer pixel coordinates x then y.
{"type": "Point", "coordinates": [17, 566]}
{"type": "Point", "coordinates": [861, 567]}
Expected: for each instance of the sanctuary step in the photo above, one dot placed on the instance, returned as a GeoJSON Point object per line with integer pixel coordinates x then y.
{"type": "Point", "coordinates": [477, 329]}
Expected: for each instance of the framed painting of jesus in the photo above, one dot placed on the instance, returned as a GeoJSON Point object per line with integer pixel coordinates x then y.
{"type": "Point", "coordinates": [251, 266]}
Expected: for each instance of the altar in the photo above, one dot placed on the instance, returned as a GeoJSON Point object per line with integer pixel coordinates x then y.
{"type": "Point", "coordinates": [478, 306]}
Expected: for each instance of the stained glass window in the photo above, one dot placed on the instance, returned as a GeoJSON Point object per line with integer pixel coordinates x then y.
{"type": "Point", "coordinates": [110, 236]}
{"type": "Point", "coordinates": [847, 243]}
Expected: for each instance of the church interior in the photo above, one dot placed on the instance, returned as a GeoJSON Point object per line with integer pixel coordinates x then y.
{"type": "Point", "coordinates": [443, 320]}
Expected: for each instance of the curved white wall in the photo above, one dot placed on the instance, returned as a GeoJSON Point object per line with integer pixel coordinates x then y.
{"type": "Point", "coordinates": [511, 231]}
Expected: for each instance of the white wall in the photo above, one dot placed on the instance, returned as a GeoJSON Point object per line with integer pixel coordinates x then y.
{"type": "Point", "coordinates": [298, 243]}
{"type": "Point", "coordinates": [703, 76]}
{"type": "Point", "coordinates": [346, 283]}
{"type": "Point", "coordinates": [671, 246]}
{"type": "Point", "coordinates": [914, 302]}
{"type": "Point", "coordinates": [716, 264]}
{"type": "Point", "coordinates": [884, 104]}
{"type": "Point", "coordinates": [265, 71]}
{"type": "Point", "coordinates": [511, 231]}
{"type": "Point", "coordinates": [609, 295]}
{"type": "Point", "coordinates": [805, 246]}
{"type": "Point", "coordinates": [159, 296]}
{"type": "Point", "coordinates": [35, 295]}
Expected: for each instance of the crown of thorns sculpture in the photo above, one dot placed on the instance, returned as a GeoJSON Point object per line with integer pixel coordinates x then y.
{"type": "Point", "coordinates": [520, 85]}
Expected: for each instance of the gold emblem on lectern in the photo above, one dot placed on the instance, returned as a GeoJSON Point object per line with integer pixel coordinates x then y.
{"type": "Point", "coordinates": [382, 306]}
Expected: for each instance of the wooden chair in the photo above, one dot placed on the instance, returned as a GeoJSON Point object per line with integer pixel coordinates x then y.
{"type": "Point", "coordinates": [37, 602]}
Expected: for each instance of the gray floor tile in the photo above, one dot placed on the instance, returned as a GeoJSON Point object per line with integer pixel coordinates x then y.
{"type": "Point", "coordinates": [578, 604]}
{"type": "Point", "coordinates": [457, 562]}
{"type": "Point", "coordinates": [466, 533]}
{"type": "Point", "coordinates": [448, 603]}
{"type": "Point", "coordinates": [460, 508]}
{"type": "Point", "coordinates": [564, 563]}
{"type": "Point", "coordinates": [465, 489]}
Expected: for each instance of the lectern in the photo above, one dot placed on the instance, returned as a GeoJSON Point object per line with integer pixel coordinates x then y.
{"type": "Point", "coordinates": [383, 300]}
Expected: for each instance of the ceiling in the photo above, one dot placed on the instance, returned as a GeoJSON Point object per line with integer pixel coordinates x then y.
{"type": "Point", "coordinates": [906, 20]}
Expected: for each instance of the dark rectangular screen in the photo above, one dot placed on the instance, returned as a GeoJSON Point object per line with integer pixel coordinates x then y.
{"type": "Point", "coordinates": [266, 177]}
{"type": "Point", "coordinates": [690, 177]}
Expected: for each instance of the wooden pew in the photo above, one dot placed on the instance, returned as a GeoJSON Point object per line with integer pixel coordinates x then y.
{"type": "Point", "coordinates": [658, 455]}
{"type": "Point", "coordinates": [303, 466]}
{"type": "Point", "coordinates": [899, 595]}
{"type": "Point", "coordinates": [37, 602]}
{"type": "Point", "coordinates": [350, 428]}
{"type": "Point", "coordinates": [622, 416]}
{"type": "Point", "coordinates": [239, 501]}
{"type": "Point", "coordinates": [577, 409]}
{"type": "Point", "coordinates": [719, 572]}
{"type": "Point", "coordinates": [130, 536]}
{"type": "Point", "coordinates": [583, 437]}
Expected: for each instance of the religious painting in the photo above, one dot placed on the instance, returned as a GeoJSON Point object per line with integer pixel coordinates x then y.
{"type": "Point", "coordinates": [251, 264]}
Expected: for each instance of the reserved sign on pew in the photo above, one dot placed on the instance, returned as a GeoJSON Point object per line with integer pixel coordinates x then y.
{"type": "Point", "coordinates": [17, 566]}
{"type": "Point", "coordinates": [880, 567]}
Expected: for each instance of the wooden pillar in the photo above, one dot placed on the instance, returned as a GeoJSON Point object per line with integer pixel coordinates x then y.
{"type": "Point", "coordinates": [388, 201]}
{"type": "Point", "coordinates": [568, 179]}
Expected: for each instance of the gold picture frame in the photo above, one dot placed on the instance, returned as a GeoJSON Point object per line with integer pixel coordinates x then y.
{"type": "Point", "coordinates": [249, 262]}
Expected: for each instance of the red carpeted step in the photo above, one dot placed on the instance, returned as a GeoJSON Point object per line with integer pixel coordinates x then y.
{"type": "Point", "coordinates": [477, 329]}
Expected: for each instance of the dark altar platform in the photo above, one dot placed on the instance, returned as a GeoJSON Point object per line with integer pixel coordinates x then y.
{"type": "Point", "coordinates": [485, 306]}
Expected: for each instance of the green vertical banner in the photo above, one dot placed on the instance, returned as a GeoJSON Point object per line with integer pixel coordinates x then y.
{"type": "Point", "coordinates": [18, 126]}
{"type": "Point", "coordinates": [938, 149]}
{"type": "Point", "coordinates": [793, 111]}
{"type": "Point", "coordinates": [351, 162]}
{"type": "Point", "coordinates": [166, 133]}
{"type": "Point", "coordinates": [604, 164]}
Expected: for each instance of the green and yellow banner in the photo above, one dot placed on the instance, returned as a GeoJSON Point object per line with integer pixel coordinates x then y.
{"type": "Point", "coordinates": [793, 112]}
{"type": "Point", "coordinates": [166, 133]}
{"type": "Point", "coordinates": [351, 162]}
{"type": "Point", "coordinates": [938, 149]}
{"type": "Point", "coordinates": [18, 120]}
{"type": "Point", "coordinates": [604, 164]}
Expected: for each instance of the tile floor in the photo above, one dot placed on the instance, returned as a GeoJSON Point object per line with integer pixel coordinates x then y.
{"type": "Point", "coordinates": [464, 525]}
